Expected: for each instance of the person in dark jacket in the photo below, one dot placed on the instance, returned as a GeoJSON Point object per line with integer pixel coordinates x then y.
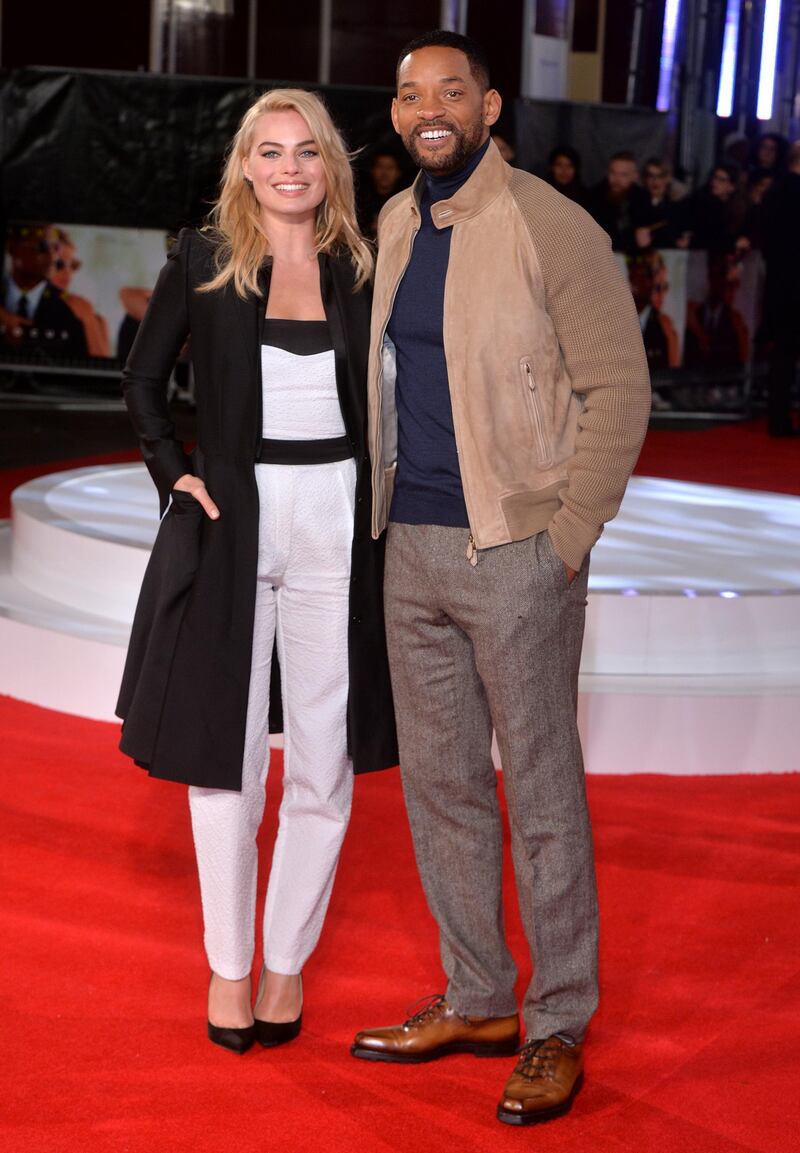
{"type": "Point", "coordinates": [659, 221]}
{"type": "Point", "coordinates": [265, 544]}
{"type": "Point", "coordinates": [382, 180]}
{"type": "Point", "coordinates": [769, 154]}
{"type": "Point", "coordinates": [564, 173]}
{"type": "Point", "coordinates": [614, 202]}
{"type": "Point", "coordinates": [715, 214]}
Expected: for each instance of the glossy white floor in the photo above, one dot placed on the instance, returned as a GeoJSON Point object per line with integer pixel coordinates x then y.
{"type": "Point", "coordinates": [692, 654]}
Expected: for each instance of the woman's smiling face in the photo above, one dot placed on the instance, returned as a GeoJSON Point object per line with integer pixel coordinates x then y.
{"type": "Point", "coordinates": [285, 166]}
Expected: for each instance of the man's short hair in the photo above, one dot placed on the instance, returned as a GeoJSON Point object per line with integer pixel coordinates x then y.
{"type": "Point", "coordinates": [623, 155]}
{"type": "Point", "coordinates": [475, 54]}
{"type": "Point", "coordinates": [654, 162]}
{"type": "Point", "coordinates": [26, 230]}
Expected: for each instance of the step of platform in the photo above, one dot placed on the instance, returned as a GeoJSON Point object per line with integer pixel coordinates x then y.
{"type": "Point", "coordinates": [692, 654]}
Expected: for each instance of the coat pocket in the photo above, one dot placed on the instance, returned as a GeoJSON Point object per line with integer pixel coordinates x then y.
{"type": "Point", "coordinates": [544, 453]}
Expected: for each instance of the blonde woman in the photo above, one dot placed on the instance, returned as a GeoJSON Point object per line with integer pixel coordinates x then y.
{"type": "Point", "coordinates": [265, 546]}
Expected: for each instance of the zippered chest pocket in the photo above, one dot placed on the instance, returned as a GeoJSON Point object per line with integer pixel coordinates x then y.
{"type": "Point", "coordinates": [544, 453]}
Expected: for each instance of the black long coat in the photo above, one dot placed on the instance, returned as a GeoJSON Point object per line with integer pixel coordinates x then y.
{"type": "Point", "coordinates": [185, 686]}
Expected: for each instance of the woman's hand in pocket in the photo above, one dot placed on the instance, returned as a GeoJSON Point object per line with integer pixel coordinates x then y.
{"type": "Point", "coordinates": [196, 488]}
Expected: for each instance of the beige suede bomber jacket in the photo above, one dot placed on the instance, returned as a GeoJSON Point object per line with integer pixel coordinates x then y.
{"type": "Point", "coordinates": [547, 370]}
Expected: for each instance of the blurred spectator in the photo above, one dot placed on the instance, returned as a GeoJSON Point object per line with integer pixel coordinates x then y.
{"type": "Point", "coordinates": [769, 154]}
{"type": "Point", "coordinates": [505, 147]}
{"type": "Point", "coordinates": [63, 266]}
{"type": "Point", "coordinates": [736, 150]}
{"type": "Point", "coordinates": [659, 222]}
{"type": "Point", "coordinates": [614, 201]}
{"type": "Point", "coordinates": [781, 237]}
{"type": "Point", "coordinates": [34, 314]}
{"type": "Point", "coordinates": [676, 189]}
{"type": "Point", "coordinates": [564, 173]}
{"type": "Point", "coordinates": [759, 182]}
{"type": "Point", "coordinates": [383, 179]}
{"type": "Point", "coordinates": [716, 333]}
{"type": "Point", "coordinates": [715, 214]}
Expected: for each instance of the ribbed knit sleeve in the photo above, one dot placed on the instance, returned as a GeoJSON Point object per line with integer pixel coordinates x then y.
{"type": "Point", "coordinates": [595, 320]}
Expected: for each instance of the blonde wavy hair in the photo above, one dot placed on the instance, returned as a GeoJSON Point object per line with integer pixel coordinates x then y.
{"type": "Point", "coordinates": [234, 222]}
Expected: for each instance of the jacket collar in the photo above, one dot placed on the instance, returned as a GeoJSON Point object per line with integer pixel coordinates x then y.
{"type": "Point", "coordinates": [489, 179]}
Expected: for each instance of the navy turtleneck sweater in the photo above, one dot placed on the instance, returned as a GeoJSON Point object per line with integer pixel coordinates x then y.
{"type": "Point", "coordinates": [427, 487]}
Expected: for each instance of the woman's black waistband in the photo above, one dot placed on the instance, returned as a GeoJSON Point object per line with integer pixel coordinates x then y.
{"type": "Point", "coordinates": [304, 451]}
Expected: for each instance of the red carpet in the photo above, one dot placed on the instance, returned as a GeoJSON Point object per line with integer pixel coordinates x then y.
{"type": "Point", "coordinates": [740, 455]}
{"type": "Point", "coordinates": [11, 478]}
{"type": "Point", "coordinates": [103, 1045]}
{"type": "Point", "coordinates": [695, 1046]}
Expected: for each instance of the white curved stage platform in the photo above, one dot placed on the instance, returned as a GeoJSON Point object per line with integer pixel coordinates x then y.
{"type": "Point", "coordinates": [692, 655]}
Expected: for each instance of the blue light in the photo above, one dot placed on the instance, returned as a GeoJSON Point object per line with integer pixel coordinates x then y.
{"type": "Point", "coordinates": [671, 18]}
{"type": "Point", "coordinates": [769, 55]}
{"type": "Point", "coordinates": [730, 50]}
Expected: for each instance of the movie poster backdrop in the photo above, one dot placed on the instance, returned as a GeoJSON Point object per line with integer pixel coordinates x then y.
{"type": "Point", "coordinates": [73, 293]}
{"type": "Point", "coordinates": [76, 293]}
{"type": "Point", "coordinates": [700, 315]}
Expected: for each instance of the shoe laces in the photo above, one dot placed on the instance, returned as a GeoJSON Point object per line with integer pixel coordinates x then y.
{"type": "Point", "coordinates": [537, 1059]}
{"type": "Point", "coordinates": [425, 1009]}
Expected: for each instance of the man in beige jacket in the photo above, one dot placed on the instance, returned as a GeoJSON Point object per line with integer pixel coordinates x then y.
{"type": "Point", "coordinates": [508, 399]}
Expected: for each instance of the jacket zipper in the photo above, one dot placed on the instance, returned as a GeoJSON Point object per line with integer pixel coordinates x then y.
{"type": "Point", "coordinates": [378, 465]}
{"type": "Point", "coordinates": [542, 450]}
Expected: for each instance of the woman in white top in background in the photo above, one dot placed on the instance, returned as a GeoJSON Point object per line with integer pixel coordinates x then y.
{"type": "Point", "coordinates": [266, 544]}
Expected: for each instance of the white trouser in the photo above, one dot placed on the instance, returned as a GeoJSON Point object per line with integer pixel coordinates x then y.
{"type": "Point", "coordinates": [305, 538]}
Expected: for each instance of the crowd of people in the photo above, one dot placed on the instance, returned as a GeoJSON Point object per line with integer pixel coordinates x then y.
{"type": "Point", "coordinates": [647, 207]}
{"type": "Point", "coordinates": [640, 206]}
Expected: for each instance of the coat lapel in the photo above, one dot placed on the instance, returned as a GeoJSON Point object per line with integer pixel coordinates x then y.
{"type": "Point", "coordinates": [332, 286]}
{"type": "Point", "coordinates": [250, 314]}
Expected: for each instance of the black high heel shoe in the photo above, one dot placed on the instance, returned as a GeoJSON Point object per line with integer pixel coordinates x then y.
{"type": "Point", "coordinates": [236, 1040]}
{"type": "Point", "coordinates": [272, 1033]}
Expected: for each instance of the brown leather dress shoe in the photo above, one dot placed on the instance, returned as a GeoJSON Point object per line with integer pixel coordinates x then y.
{"type": "Point", "coordinates": [435, 1031]}
{"type": "Point", "coordinates": [548, 1075]}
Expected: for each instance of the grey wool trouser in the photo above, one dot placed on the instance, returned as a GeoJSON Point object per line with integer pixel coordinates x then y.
{"type": "Point", "coordinates": [498, 645]}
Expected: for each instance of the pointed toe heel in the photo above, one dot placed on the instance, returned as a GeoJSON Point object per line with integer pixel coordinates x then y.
{"type": "Point", "coordinates": [272, 1033]}
{"type": "Point", "coordinates": [235, 1040]}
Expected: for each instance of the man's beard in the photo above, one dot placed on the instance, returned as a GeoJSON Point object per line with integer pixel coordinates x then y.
{"type": "Point", "coordinates": [465, 145]}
